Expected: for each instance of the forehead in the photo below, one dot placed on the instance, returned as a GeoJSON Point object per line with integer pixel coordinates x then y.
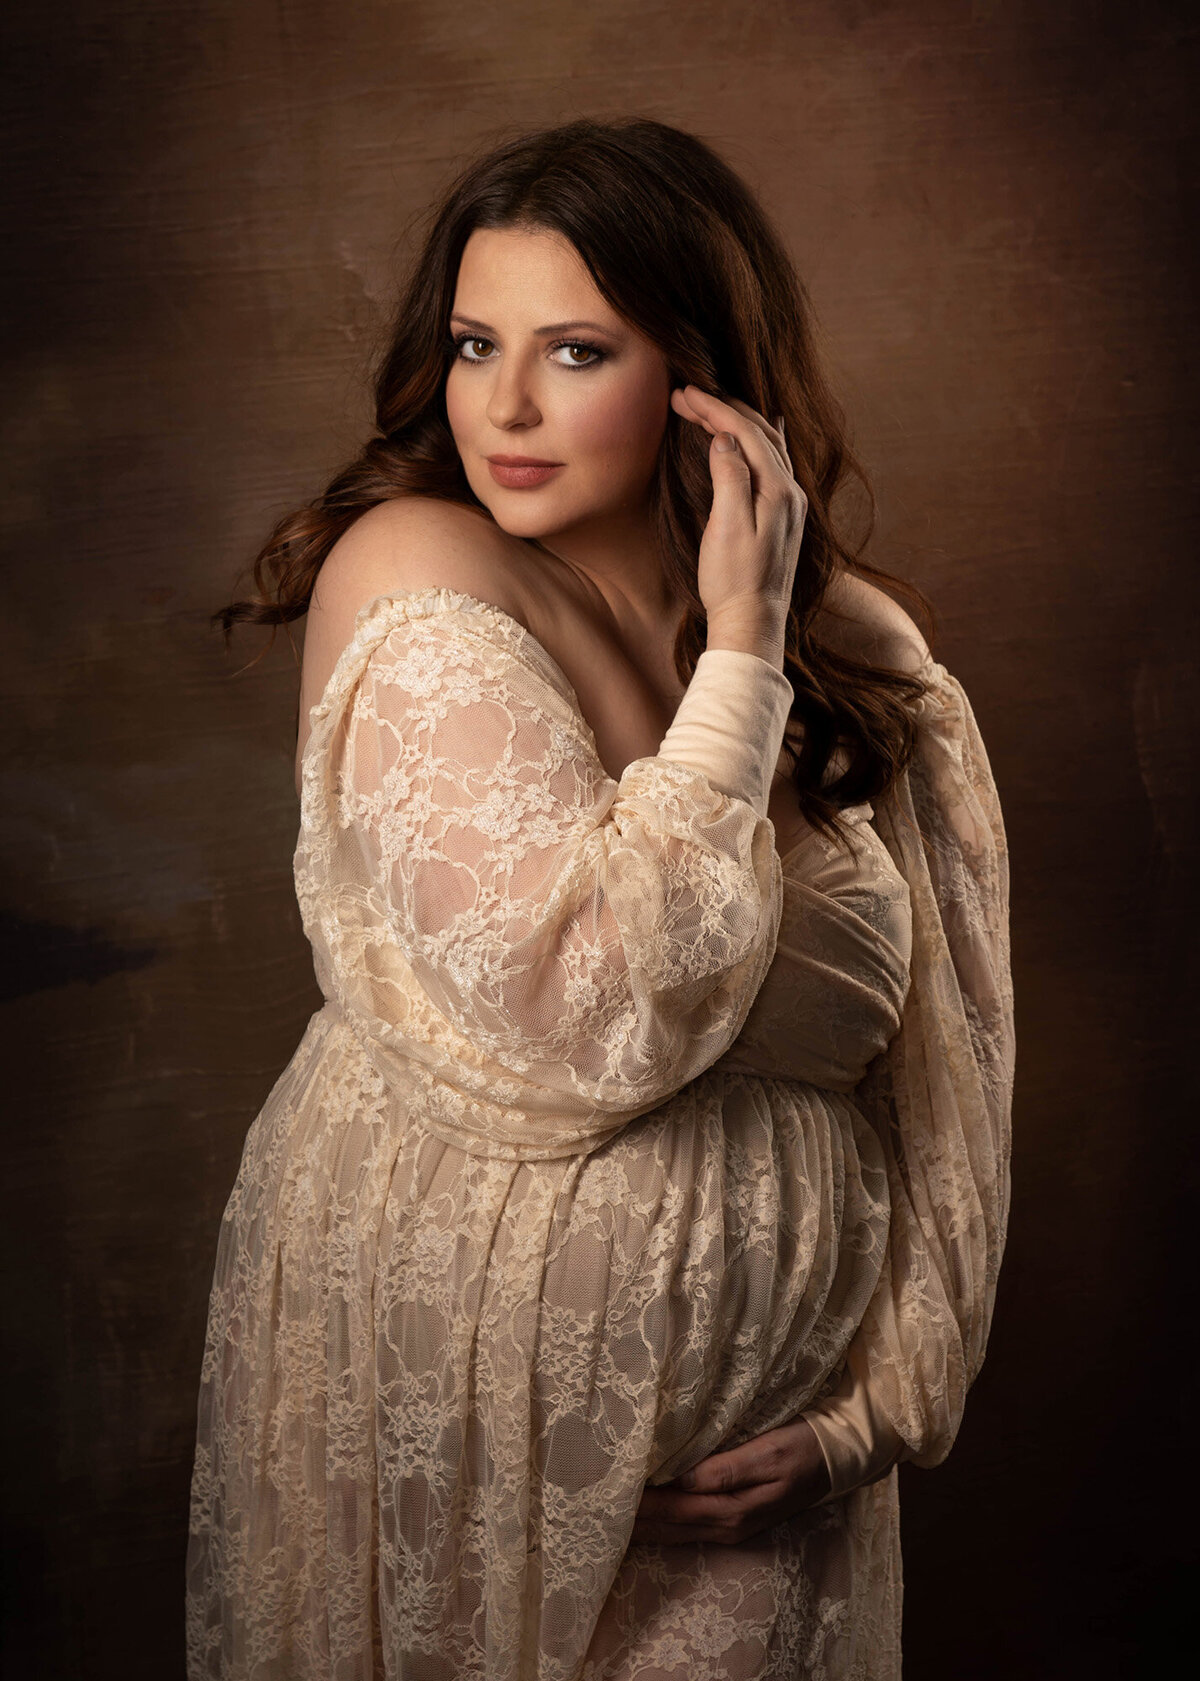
{"type": "Point", "coordinates": [528, 272]}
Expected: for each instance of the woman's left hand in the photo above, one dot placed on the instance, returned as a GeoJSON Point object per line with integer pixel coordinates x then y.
{"type": "Point", "coordinates": [733, 1496]}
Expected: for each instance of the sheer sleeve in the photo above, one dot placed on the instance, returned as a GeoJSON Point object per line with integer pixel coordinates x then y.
{"type": "Point", "coordinates": [940, 1100]}
{"type": "Point", "coordinates": [596, 943]}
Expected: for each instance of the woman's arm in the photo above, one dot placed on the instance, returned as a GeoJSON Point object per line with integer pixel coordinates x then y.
{"type": "Point", "coordinates": [940, 1102]}
{"type": "Point", "coordinates": [594, 943]}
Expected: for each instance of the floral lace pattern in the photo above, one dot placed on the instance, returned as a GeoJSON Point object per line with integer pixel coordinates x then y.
{"type": "Point", "coordinates": [618, 1139]}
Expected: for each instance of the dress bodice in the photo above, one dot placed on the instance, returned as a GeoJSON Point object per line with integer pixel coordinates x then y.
{"type": "Point", "coordinates": [832, 998]}
{"type": "Point", "coordinates": [543, 951]}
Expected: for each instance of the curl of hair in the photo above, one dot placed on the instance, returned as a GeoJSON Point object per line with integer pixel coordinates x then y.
{"type": "Point", "coordinates": [678, 245]}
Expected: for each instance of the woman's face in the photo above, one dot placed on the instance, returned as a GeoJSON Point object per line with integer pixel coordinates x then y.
{"type": "Point", "coordinates": [546, 369]}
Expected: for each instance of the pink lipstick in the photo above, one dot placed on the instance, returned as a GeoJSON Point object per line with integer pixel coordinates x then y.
{"type": "Point", "coordinates": [521, 472]}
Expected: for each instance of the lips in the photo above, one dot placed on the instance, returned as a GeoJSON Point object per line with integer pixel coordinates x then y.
{"type": "Point", "coordinates": [521, 472]}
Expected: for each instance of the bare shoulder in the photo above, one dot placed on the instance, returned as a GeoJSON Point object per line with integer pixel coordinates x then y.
{"type": "Point", "coordinates": [860, 620]}
{"type": "Point", "coordinates": [412, 543]}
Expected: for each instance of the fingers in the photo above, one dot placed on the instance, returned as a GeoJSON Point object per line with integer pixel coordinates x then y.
{"type": "Point", "coordinates": [668, 1504]}
{"type": "Point", "coordinates": [761, 442]}
{"type": "Point", "coordinates": [733, 510]}
{"type": "Point", "coordinates": [671, 1518]}
{"type": "Point", "coordinates": [755, 526]}
{"type": "Point", "coordinates": [772, 433]}
{"type": "Point", "coordinates": [769, 487]}
{"type": "Point", "coordinates": [732, 1496]}
{"type": "Point", "coordinates": [722, 1473]}
{"type": "Point", "coordinates": [763, 1459]}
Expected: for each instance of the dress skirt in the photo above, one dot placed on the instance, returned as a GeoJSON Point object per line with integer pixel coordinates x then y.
{"type": "Point", "coordinates": [436, 1384]}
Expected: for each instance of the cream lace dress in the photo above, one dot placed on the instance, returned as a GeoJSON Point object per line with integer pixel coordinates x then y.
{"type": "Point", "coordinates": [618, 1139]}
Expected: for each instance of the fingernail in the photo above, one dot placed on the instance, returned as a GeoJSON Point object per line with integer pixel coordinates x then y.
{"type": "Point", "coordinates": [726, 440]}
{"type": "Point", "coordinates": [687, 1481]}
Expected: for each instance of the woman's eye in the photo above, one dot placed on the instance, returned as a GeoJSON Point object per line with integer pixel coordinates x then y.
{"type": "Point", "coordinates": [572, 347]}
{"type": "Point", "coordinates": [473, 348]}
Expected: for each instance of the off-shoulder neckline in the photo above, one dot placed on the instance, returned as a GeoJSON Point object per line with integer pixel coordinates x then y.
{"type": "Point", "coordinates": [524, 634]}
{"type": "Point", "coordinates": [429, 593]}
{"type": "Point", "coordinates": [370, 609]}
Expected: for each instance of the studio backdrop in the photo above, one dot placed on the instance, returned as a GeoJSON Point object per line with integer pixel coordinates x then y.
{"type": "Point", "coordinates": [206, 214]}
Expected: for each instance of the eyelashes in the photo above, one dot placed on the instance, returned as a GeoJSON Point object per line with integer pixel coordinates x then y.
{"type": "Point", "coordinates": [597, 354]}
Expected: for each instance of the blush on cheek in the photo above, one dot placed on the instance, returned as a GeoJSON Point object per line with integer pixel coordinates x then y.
{"type": "Point", "coordinates": [626, 424]}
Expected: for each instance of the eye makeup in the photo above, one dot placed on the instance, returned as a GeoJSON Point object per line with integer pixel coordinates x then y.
{"type": "Point", "coordinates": [597, 354]}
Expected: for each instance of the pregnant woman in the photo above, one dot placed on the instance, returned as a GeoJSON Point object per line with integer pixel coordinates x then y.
{"type": "Point", "coordinates": [635, 1202]}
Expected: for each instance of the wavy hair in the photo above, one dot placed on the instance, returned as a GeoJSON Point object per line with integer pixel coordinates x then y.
{"type": "Point", "coordinates": [679, 246]}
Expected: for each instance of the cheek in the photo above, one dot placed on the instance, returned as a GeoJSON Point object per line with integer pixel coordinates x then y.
{"type": "Point", "coordinates": [624, 422]}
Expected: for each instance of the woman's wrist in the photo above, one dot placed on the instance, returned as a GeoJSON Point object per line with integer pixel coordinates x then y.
{"type": "Point", "coordinates": [730, 723]}
{"type": "Point", "coordinates": [756, 627]}
{"type": "Point", "coordinates": [858, 1440]}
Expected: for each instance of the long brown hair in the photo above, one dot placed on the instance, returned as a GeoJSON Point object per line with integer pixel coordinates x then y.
{"type": "Point", "coordinates": [678, 245]}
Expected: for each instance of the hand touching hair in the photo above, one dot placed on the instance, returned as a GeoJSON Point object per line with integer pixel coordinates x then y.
{"type": "Point", "coordinates": [680, 247]}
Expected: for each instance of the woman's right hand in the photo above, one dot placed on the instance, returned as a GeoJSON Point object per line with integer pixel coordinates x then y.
{"type": "Point", "coordinates": [751, 543]}
{"type": "Point", "coordinates": [733, 1496]}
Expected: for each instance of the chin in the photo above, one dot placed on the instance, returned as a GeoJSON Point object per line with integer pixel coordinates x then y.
{"type": "Point", "coordinates": [520, 516]}
{"type": "Point", "coordinates": [516, 521]}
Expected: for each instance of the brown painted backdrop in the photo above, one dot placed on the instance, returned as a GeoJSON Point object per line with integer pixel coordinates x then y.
{"type": "Point", "coordinates": [205, 210]}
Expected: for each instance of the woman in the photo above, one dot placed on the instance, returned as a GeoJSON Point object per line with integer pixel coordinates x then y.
{"type": "Point", "coordinates": [656, 1121]}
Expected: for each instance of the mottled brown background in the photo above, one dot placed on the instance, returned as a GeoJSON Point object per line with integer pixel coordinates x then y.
{"type": "Point", "coordinates": [205, 208]}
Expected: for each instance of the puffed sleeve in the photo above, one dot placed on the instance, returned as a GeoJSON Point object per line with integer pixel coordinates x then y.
{"type": "Point", "coordinates": [940, 1100]}
{"type": "Point", "coordinates": [589, 945]}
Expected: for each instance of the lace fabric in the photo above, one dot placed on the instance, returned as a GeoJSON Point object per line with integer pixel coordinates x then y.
{"type": "Point", "coordinates": [617, 1140]}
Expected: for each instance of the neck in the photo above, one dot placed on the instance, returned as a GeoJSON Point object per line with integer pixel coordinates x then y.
{"type": "Point", "coordinates": [618, 567]}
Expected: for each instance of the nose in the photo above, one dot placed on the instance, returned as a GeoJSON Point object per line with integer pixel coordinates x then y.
{"type": "Point", "coordinates": [511, 400]}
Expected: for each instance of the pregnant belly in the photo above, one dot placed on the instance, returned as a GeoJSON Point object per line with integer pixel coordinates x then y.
{"type": "Point", "coordinates": [553, 1335]}
{"type": "Point", "coordinates": [488, 1359]}
{"type": "Point", "coordinates": [692, 1282]}
{"type": "Point", "coordinates": [689, 1284]}
{"type": "Point", "coordinates": [705, 1270]}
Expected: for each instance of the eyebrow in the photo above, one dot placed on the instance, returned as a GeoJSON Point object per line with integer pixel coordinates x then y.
{"type": "Point", "coordinates": [558, 327]}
